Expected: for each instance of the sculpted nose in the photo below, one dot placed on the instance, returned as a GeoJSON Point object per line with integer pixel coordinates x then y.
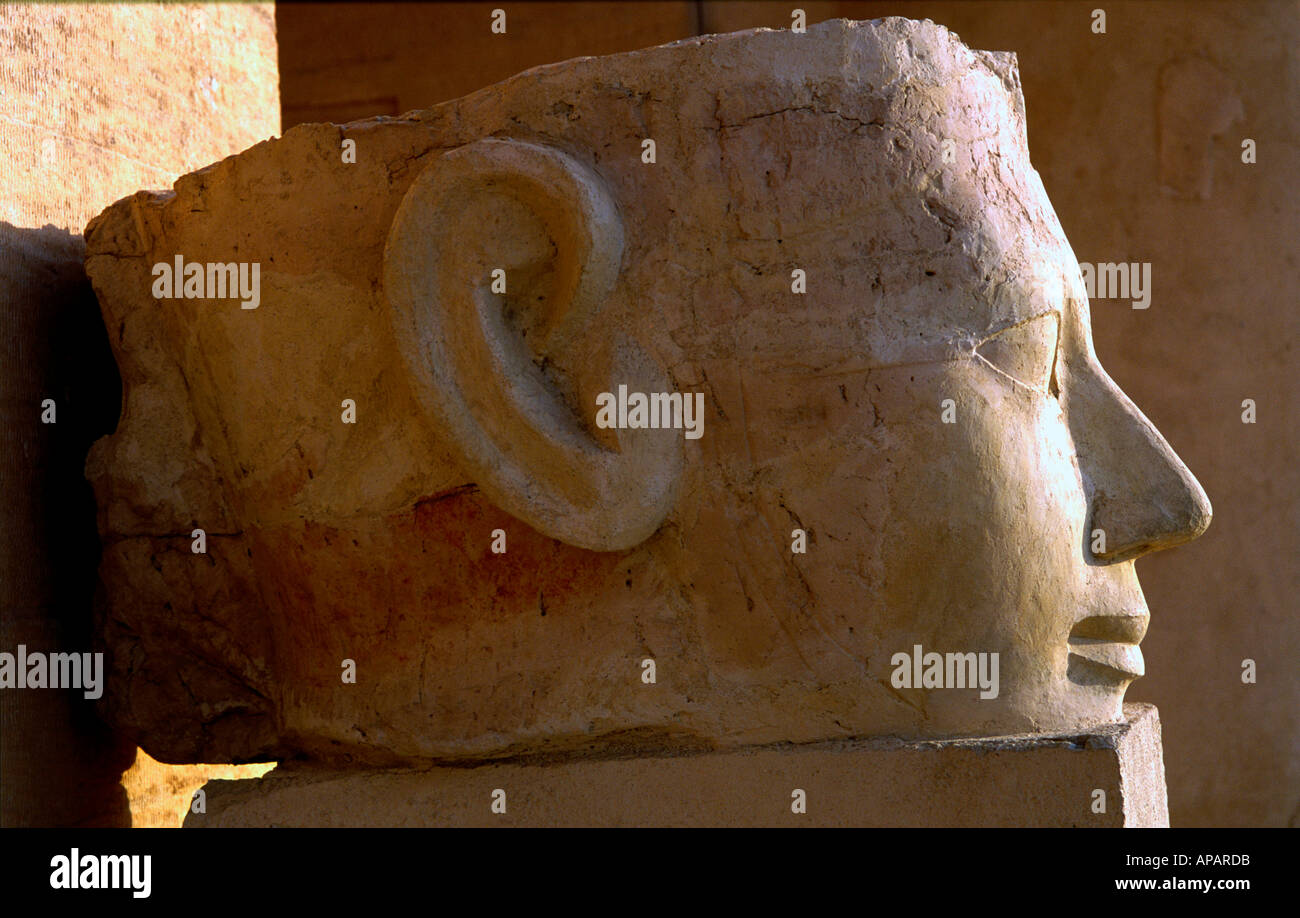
{"type": "Point", "coordinates": [1143, 498]}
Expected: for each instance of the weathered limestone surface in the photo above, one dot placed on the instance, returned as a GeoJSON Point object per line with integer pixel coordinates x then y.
{"type": "Point", "coordinates": [96, 100]}
{"type": "Point", "coordinates": [931, 277]}
{"type": "Point", "coordinates": [1129, 132]}
{"type": "Point", "coordinates": [1040, 781]}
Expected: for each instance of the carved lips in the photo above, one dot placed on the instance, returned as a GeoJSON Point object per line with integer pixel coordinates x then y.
{"type": "Point", "coordinates": [1110, 644]}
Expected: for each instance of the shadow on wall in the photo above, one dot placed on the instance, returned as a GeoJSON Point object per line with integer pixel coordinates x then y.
{"type": "Point", "coordinates": [61, 764]}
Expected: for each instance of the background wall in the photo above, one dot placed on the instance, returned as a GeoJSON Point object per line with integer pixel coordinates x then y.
{"type": "Point", "coordinates": [96, 102]}
{"type": "Point", "coordinates": [352, 60]}
{"type": "Point", "coordinates": [1137, 134]}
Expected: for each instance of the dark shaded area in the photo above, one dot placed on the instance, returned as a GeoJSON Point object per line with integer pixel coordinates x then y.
{"type": "Point", "coordinates": [341, 62]}
{"type": "Point", "coordinates": [61, 764]}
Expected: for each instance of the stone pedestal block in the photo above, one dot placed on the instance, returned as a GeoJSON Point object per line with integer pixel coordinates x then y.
{"type": "Point", "coordinates": [1002, 781]}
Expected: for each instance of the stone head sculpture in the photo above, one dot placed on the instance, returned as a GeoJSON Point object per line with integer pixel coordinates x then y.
{"type": "Point", "coordinates": [762, 357]}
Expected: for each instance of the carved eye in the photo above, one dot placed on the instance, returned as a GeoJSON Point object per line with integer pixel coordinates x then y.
{"type": "Point", "coordinates": [1025, 352]}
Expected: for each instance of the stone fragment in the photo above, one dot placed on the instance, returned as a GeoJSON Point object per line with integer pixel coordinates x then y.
{"type": "Point", "coordinates": [929, 414]}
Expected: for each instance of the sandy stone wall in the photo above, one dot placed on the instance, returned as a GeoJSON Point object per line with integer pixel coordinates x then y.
{"type": "Point", "coordinates": [96, 102]}
{"type": "Point", "coordinates": [398, 57]}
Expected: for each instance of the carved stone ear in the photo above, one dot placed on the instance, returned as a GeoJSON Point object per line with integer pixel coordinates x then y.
{"type": "Point", "coordinates": [488, 365]}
